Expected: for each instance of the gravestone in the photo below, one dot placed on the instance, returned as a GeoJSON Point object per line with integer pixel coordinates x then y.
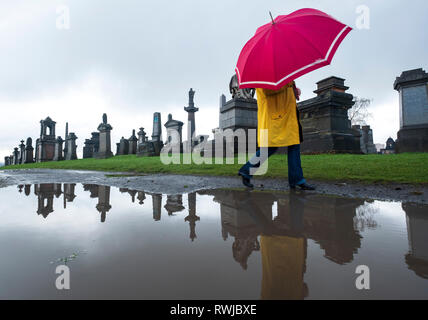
{"type": "Point", "coordinates": [15, 156]}
{"type": "Point", "coordinates": [123, 147]}
{"type": "Point", "coordinates": [104, 129]}
{"type": "Point", "coordinates": [174, 133]}
{"type": "Point", "coordinates": [95, 138]}
{"type": "Point", "coordinates": [28, 156]}
{"type": "Point", "coordinates": [366, 141]}
{"type": "Point", "coordinates": [45, 145]}
{"type": "Point", "coordinates": [133, 141]}
{"type": "Point", "coordinates": [117, 148]}
{"type": "Point", "coordinates": [88, 149]}
{"type": "Point", "coordinates": [71, 147]}
{"type": "Point", "coordinates": [21, 152]}
{"type": "Point", "coordinates": [142, 143]}
{"type": "Point", "coordinates": [324, 119]}
{"type": "Point", "coordinates": [6, 161]}
{"type": "Point", "coordinates": [237, 114]}
{"type": "Point", "coordinates": [412, 86]}
{"type": "Point", "coordinates": [58, 156]}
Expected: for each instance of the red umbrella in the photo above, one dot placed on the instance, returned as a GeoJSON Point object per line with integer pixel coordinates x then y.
{"type": "Point", "coordinates": [289, 47]}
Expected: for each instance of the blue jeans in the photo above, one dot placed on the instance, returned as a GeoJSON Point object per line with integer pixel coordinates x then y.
{"type": "Point", "coordinates": [295, 172]}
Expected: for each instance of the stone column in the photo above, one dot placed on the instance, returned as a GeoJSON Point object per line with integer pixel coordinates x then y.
{"type": "Point", "coordinates": [157, 134]}
{"type": "Point", "coordinates": [191, 109]}
{"type": "Point", "coordinates": [192, 217]}
{"type": "Point", "coordinates": [105, 141]}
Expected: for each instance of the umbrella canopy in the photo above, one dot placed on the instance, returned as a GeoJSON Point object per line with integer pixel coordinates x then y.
{"type": "Point", "coordinates": [289, 47]}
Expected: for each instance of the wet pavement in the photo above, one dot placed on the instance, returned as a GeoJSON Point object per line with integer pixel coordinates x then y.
{"type": "Point", "coordinates": [207, 244]}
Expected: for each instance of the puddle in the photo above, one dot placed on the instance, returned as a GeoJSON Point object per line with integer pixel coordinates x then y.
{"type": "Point", "coordinates": [216, 244]}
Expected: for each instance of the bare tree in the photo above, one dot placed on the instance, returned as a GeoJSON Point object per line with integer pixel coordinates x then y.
{"type": "Point", "coordinates": [359, 113]}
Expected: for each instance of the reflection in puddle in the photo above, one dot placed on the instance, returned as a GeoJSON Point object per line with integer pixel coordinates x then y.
{"type": "Point", "coordinates": [275, 245]}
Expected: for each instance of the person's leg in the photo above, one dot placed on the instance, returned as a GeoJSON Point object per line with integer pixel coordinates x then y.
{"type": "Point", "coordinates": [295, 172]}
{"type": "Point", "coordinates": [255, 162]}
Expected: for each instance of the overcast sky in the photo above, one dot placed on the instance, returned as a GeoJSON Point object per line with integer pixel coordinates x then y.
{"type": "Point", "coordinates": [132, 58]}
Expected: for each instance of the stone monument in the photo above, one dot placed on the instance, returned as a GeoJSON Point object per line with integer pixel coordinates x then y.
{"type": "Point", "coordinates": [15, 156]}
{"type": "Point", "coordinates": [71, 147]}
{"type": "Point", "coordinates": [29, 150]}
{"type": "Point", "coordinates": [157, 133]}
{"type": "Point", "coordinates": [133, 141]}
{"type": "Point", "coordinates": [412, 86]}
{"type": "Point", "coordinates": [104, 129]}
{"type": "Point", "coordinates": [21, 152]}
{"type": "Point", "coordinates": [325, 123]}
{"type": "Point", "coordinates": [88, 149]}
{"type": "Point", "coordinates": [123, 147]}
{"type": "Point", "coordinates": [45, 145]}
{"type": "Point", "coordinates": [191, 109]}
{"type": "Point", "coordinates": [174, 133]}
{"type": "Point", "coordinates": [366, 141]}
{"type": "Point", "coordinates": [58, 155]}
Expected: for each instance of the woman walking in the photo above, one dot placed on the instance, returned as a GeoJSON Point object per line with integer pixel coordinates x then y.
{"type": "Point", "coordinates": [278, 126]}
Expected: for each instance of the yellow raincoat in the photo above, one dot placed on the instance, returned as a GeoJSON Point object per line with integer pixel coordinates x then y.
{"type": "Point", "coordinates": [283, 260]}
{"type": "Point", "coordinates": [278, 124]}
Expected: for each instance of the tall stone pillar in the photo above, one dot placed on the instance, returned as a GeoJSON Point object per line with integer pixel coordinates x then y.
{"type": "Point", "coordinates": [412, 86]}
{"type": "Point", "coordinates": [58, 156]}
{"type": "Point", "coordinates": [157, 142]}
{"type": "Point", "coordinates": [192, 217]}
{"type": "Point", "coordinates": [191, 109]}
{"type": "Point", "coordinates": [71, 147]}
{"type": "Point", "coordinates": [105, 140]}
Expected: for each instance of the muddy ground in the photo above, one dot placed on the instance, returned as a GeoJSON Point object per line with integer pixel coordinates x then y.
{"type": "Point", "coordinates": [178, 184]}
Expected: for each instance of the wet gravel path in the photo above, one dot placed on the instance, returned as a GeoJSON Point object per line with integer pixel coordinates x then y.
{"type": "Point", "coordinates": [177, 184]}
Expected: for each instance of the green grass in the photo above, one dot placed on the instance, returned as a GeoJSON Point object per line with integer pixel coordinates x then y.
{"type": "Point", "coordinates": [402, 168]}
